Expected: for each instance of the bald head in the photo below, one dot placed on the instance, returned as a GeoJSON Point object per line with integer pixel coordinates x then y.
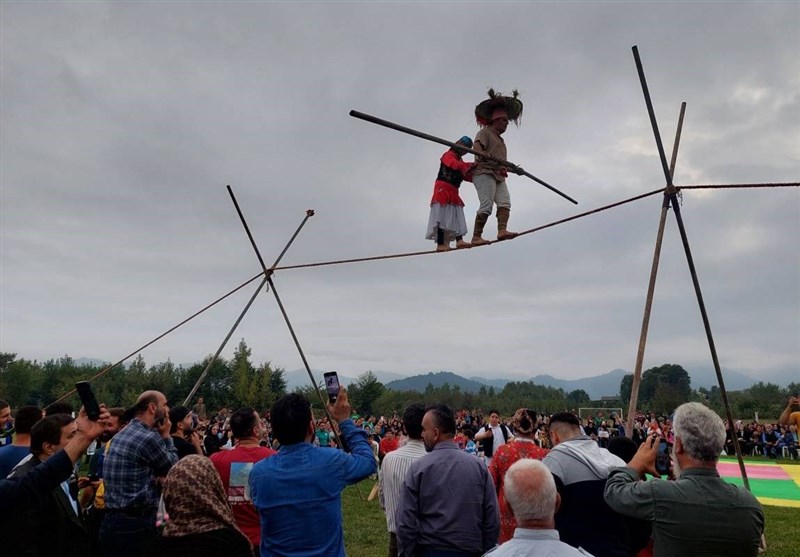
{"type": "Point", "coordinates": [151, 407]}
{"type": "Point", "coordinates": [530, 491]}
{"type": "Point", "coordinates": [149, 396]}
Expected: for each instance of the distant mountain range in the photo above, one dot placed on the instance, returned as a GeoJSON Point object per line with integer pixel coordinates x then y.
{"type": "Point", "coordinates": [597, 386]}
{"type": "Point", "coordinates": [606, 384]}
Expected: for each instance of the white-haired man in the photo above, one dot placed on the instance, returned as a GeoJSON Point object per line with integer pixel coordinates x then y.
{"type": "Point", "coordinates": [530, 492]}
{"type": "Point", "coordinates": [699, 513]}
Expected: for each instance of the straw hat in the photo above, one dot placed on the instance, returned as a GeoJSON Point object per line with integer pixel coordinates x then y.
{"type": "Point", "coordinates": [512, 105]}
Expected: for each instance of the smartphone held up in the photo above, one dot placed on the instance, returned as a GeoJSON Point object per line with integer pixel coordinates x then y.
{"type": "Point", "coordinates": [332, 385]}
{"type": "Point", "coordinates": [88, 400]}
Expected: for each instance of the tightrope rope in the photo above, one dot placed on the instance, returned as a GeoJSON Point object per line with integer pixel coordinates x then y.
{"type": "Point", "coordinates": [162, 335]}
{"type": "Point", "coordinates": [737, 186]}
{"type": "Point", "coordinates": [431, 252]}
{"type": "Point", "coordinates": [427, 252]}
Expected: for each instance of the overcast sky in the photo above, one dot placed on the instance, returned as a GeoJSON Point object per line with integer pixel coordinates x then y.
{"type": "Point", "coordinates": [122, 123]}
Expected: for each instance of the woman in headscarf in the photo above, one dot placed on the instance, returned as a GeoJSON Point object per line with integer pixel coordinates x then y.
{"type": "Point", "coordinates": [211, 441]}
{"type": "Point", "coordinates": [522, 446]}
{"type": "Point", "coordinates": [198, 520]}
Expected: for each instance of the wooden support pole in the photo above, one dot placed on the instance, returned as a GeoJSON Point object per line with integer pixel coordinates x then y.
{"type": "Point", "coordinates": [673, 197]}
{"type": "Point", "coordinates": [268, 272]}
{"type": "Point", "coordinates": [651, 287]}
{"type": "Point", "coordinates": [223, 344]}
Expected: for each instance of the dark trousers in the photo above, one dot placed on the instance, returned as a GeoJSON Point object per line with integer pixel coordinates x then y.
{"type": "Point", "coordinates": [431, 552]}
{"type": "Point", "coordinates": [126, 535]}
{"type": "Point", "coordinates": [392, 544]}
{"type": "Point", "coordinates": [94, 518]}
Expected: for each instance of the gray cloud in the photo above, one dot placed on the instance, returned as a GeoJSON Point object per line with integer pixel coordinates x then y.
{"type": "Point", "coordinates": [123, 122]}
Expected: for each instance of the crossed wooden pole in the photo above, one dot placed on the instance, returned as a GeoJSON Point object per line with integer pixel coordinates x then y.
{"type": "Point", "coordinates": [671, 199]}
{"type": "Point", "coordinates": [267, 279]}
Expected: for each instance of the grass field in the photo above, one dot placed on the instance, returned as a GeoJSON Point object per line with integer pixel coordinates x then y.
{"type": "Point", "coordinates": [365, 526]}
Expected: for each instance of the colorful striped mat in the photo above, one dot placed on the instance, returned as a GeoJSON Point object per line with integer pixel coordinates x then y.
{"type": "Point", "coordinates": [772, 484]}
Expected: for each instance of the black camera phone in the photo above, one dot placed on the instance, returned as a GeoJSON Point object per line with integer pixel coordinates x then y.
{"type": "Point", "coordinates": [663, 463]}
{"type": "Point", "coordinates": [88, 400]}
{"type": "Point", "coordinates": [332, 385]}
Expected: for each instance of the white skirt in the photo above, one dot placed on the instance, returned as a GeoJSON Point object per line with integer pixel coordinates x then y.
{"type": "Point", "coordinates": [449, 218]}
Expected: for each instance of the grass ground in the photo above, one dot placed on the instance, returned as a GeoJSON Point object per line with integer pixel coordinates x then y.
{"type": "Point", "coordinates": [364, 522]}
{"type": "Point", "coordinates": [365, 526]}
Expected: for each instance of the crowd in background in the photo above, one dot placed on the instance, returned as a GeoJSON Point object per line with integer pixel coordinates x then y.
{"type": "Point", "coordinates": [33, 436]}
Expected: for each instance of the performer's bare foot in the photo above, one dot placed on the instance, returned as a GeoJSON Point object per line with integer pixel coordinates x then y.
{"type": "Point", "coordinates": [478, 241]}
{"type": "Point", "coordinates": [461, 244]}
{"type": "Point", "coordinates": [506, 235]}
{"type": "Point", "coordinates": [442, 247]}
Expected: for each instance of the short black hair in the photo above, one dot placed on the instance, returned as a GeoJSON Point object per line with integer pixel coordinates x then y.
{"type": "Point", "coordinates": [26, 418]}
{"type": "Point", "coordinates": [444, 418]}
{"type": "Point", "coordinates": [242, 422]}
{"type": "Point", "coordinates": [3, 404]}
{"type": "Point", "coordinates": [290, 416]}
{"type": "Point", "coordinates": [412, 420]}
{"type": "Point", "coordinates": [58, 408]}
{"type": "Point", "coordinates": [119, 413]}
{"type": "Point", "coordinates": [48, 430]}
{"type": "Point", "coordinates": [493, 411]}
{"type": "Point", "coordinates": [177, 414]}
{"type": "Point", "coordinates": [623, 447]}
{"type": "Point", "coordinates": [565, 418]}
{"type": "Point", "coordinates": [128, 415]}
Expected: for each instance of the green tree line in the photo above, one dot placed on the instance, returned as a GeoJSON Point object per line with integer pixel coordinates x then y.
{"type": "Point", "coordinates": [665, 387]}
{"type": "Point", "coordinates": [235, 383]}
{"type": "Point", "coordinates": [238, 382]}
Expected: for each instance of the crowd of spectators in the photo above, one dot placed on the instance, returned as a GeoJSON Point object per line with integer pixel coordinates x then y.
{"type": "Point", "coordinates": [154, 480]}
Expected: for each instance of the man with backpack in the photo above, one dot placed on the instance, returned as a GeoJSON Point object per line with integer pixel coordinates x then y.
{"type": "Point", "coordinates": [492, 436]}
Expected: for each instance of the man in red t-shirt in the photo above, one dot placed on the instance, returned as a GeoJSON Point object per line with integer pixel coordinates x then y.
{"type": "Point", "coordinates": [234, 468]}
{"type": "Point", "coordinates": [389, 443]}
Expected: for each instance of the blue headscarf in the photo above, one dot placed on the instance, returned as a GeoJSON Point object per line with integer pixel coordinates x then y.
{"type": "Point", "coordinates": [466, 141]}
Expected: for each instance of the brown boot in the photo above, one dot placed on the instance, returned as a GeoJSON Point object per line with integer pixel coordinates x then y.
{"type": "Point", "coordinates": [480, 222]}
{"type": "Point", "coordinates": [502, 221]}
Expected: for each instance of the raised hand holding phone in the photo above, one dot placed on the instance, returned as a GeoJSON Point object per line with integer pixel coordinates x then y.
{"type": "Point", "coordinates": [332, 385]}
{"type": "Point", "coordinates": [88, 400]}
{"type": "Point", "coordinates": [644, 461]}
{"type": "Point", "coordinates": [340, 410]}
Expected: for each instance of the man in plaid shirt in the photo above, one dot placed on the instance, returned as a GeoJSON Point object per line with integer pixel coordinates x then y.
{"type": "Point", "coordinates": [141, 453]}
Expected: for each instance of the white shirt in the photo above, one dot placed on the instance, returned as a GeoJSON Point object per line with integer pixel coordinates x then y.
{"type": "Point", "coordinates": [536, 543]}
{"type": "Point", "coordinates": [393, 472]}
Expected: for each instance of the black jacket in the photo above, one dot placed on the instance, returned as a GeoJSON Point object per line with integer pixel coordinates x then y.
{"type": "Point", "coordinates": [487, 445]}
{"type": "Point", "coordinates": [43, 523]}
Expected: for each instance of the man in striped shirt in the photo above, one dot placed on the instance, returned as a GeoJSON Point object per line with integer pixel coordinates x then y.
{"type": "Point", "coordinates": [395, 466]}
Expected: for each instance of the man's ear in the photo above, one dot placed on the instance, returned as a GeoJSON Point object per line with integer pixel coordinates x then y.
{"type": "Point", "coordinates": [48, 448]}
{"type": "Point", "coordinates": [558, 502]}
{"type": "Point", "coordinates": [677, 446]}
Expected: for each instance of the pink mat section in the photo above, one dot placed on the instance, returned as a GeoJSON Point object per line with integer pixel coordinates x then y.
{"type": "Point", "coordinates": [755, 471]}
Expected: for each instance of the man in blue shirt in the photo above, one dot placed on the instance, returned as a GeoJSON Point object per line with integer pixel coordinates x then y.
{"type": "Point", "coordinates": [12, 454]}
{"type": "Point", "coordinates": [298, 491]}
{"type": "Point", "coordinates": [6, 423]}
